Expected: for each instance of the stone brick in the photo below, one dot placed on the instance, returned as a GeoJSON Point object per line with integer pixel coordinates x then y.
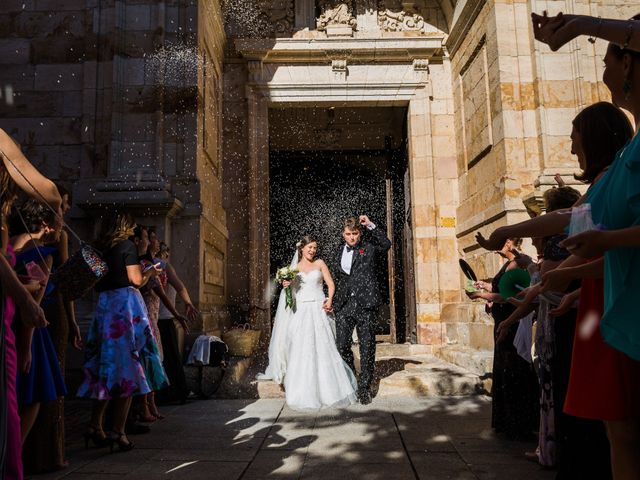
{"type": "Point", "coordinates": [429, 334]}
{"type": "Point", "coordinates": [58, 5]}
{"type": "Point", "coordinates": [14, 51]}
{"type": "Point", "coordinates": [58, 77]}
{"type": "Point", "coordinates": [31, 103]}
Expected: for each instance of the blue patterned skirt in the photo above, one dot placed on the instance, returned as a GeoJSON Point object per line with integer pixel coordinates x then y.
{"type": "Point", "coordinates": [121, 355]}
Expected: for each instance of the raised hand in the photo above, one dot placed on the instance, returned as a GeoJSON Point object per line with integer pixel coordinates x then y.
{"type": "Point", "coordinates": [565, 305]}
{"type": "Point", "coordinates": [495, 241]}
{"type": "Point", "coordinates": [555, 31]}
{"type": "Point", "coordinates": [364, 221]}
{"type": "Point", "coordinates": [587, 244]}
{"type": "Point", "coordinates": [556, 280]}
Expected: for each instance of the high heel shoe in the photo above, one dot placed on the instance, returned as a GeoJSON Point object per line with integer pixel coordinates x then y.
{"type": "Point", "coordinates": [157, 415]}
{"type": "Point", "coordinates": [123, 446]}
{"type": "Point", "coordinates": [96, 436]}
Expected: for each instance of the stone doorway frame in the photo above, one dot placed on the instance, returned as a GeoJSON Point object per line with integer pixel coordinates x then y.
{"type": "Point", "coordinates": [333, 72]}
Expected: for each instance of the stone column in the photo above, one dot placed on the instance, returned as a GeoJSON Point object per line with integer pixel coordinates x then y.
{"type": "Point", "coordinates": [258, 136]}
{"type": "Point", "coordinates": [423, 200]}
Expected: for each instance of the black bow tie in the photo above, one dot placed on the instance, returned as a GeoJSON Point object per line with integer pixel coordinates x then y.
{"type": "Point", "coordinates": [350, 248]}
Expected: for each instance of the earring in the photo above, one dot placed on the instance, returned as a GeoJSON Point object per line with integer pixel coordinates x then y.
{"type": "Point", "coordinates": [626, 88]}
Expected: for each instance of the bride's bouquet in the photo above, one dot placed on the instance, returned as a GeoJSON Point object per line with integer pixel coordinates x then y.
{"type": "Point", "coordinates": [288, 274]}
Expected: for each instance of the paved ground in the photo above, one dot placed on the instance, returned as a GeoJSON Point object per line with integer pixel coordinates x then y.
{"type": "Point", "coordinates": [391, 439]}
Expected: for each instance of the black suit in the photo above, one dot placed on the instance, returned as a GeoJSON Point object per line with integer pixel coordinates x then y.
{"type": "Point", "coordinates": [356, 302]}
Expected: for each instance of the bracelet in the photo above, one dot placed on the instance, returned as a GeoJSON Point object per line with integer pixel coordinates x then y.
{"type": "Point", "coordinates": [629, 34]}
{"type": "Point", "coordinates": [592, 38]}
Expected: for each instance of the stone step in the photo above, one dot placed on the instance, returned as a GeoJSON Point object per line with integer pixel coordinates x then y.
{"type": "Point", "coordinates": [409, 376]}
{"type": "Point", "coordinates": [400, 349]}
{"type": "Point", "coordinates": [479, 362]}
{"type": "Point", "coordinates": [426, 376]}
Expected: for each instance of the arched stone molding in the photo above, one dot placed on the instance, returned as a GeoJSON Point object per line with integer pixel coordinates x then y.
{"type": "Point", "coordinates": [331, 18]}
{"type": "Point", "coordinates": [359, 73]}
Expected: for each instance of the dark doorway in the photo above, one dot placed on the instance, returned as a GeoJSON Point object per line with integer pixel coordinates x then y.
{"type": "Point", "coordinates": [313, 192]}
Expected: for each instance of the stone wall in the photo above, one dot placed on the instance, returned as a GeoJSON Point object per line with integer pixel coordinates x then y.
{"type": "Point", "coordinates": [514, 102]}
{"type": "Point", "coordinates": [112, 99]}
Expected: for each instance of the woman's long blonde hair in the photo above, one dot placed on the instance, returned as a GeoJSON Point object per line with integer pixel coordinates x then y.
{"type": "Point", "coordinates": [9, 191]}
{"type": "Point", "coordinates": [115, 228]}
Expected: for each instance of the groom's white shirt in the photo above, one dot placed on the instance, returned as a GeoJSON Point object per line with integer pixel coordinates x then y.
{"type": "Point", "coordinates": [347, 257]}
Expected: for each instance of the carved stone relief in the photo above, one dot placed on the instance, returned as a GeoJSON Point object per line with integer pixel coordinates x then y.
{"type": "Point", "coordinates": [336, 12]}
{"type": "Point", "coordinates": [402, 16]}
{"type": "Point", "coordinates": [280, 15]}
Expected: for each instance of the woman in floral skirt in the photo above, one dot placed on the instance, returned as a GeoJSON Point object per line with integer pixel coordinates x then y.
{"type": "Point", "coordinates": [121, 354]}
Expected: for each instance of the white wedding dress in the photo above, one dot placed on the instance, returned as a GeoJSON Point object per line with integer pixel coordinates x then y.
{"type": "Point", "coordinates": [303, 354]}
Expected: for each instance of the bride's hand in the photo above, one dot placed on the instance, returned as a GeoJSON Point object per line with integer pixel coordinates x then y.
{"type": "Point", "coordinates": [326, 305]}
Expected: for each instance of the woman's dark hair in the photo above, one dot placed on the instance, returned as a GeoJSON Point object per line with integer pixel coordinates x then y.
{"type": "Point", "coordinates": [137, 232]}
{"type": "Point", "coordinates": [559, 198]}
{"type": "Point", "coordinates": [35, 216]}
{"type": "Point", "coordinates": [63, 191]}
{"type": "Point", "coordinates": [303, 242]}
{"type": "Point", "coordinates": [115, 228]}
{"type": "Point", "coordinates": [604, 130]}
{"type": "Point", "coordinates": [517, 242]}
{"type": "Point", "coordinates": [8, 191]}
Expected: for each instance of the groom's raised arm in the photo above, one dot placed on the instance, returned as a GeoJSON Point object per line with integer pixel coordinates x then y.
{"type": "Point", "coordinates": [379, 240]}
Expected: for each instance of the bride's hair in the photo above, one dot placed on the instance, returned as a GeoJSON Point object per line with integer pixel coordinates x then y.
{"type": "Point", "coordinates": [303, 242]}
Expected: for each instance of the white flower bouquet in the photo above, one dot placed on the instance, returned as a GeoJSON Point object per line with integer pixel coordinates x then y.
{"type": "Point", "coordinates": [287, 274]}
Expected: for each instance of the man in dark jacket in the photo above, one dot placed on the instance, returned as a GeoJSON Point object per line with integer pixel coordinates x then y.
{"type": "Point", "coordinates": [357, 297]}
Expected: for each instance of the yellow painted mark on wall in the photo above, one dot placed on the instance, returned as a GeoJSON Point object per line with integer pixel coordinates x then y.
{"type": "Point", "coordinates": [449, 222]}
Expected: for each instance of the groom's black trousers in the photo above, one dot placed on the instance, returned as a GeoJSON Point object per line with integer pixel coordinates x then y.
{"type": "Point", "coordinates": [364, 321]}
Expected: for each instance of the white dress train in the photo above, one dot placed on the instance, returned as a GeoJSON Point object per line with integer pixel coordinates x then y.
{"type": "Point", "coordinates": [303, 351]}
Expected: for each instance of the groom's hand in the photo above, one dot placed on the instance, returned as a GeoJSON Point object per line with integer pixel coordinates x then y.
{"type": "Point", "coordinates": [364, 221]}
{"type": "Point", "coordinates": [326, 305]}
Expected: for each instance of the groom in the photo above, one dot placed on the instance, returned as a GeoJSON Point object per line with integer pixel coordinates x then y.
{"type": "Point", "coordinates": [357, 297]}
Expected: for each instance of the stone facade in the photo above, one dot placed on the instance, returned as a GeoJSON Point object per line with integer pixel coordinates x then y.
{"type": "Point", "coordinates": [165, 105]}
{"type": "Point", "coordinates": [121, 101]}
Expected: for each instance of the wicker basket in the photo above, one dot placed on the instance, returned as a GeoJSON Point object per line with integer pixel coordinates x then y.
{"type": "Point", "coordinates": [241, 341]}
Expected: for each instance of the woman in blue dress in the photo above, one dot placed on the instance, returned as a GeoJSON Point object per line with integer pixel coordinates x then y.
{"type": "Point", "coordinates": [39, 377]}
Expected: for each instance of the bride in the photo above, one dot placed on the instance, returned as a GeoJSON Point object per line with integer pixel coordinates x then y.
{"type": "Point", "coordinates": [302, 353]}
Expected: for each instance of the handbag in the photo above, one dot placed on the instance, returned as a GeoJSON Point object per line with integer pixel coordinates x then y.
{"type": "Point", "coordinates": [82, 270]}
{"type": "Point", "coordinates": [79, 273]}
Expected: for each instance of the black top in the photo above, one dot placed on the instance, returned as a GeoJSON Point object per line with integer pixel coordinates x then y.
{"type": "Point", "coordinates": [118, 258]}
{"type": "Point", "coordinates": [552, 249]}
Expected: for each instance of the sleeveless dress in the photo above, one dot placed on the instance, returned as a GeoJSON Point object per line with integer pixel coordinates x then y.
{"type": "Point", "coordinates": [44, 381]}
{"type": "Point", "coordinates": [13, 454]}
{"type": "Point", "coordinates": [314, 374]}
{"type": "Point", "coordinates": [515, 392]}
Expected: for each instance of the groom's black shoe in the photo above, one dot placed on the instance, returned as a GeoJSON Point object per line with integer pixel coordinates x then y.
{"type": "Point", "coordinates": [364, 396]}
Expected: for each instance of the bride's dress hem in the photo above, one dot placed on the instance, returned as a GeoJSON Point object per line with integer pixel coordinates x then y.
{"type": "Point", "coordinates": [303, 355]}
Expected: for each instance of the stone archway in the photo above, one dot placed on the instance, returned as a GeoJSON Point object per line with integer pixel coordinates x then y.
{"type": "Point", "coordinates": [363, 72]}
